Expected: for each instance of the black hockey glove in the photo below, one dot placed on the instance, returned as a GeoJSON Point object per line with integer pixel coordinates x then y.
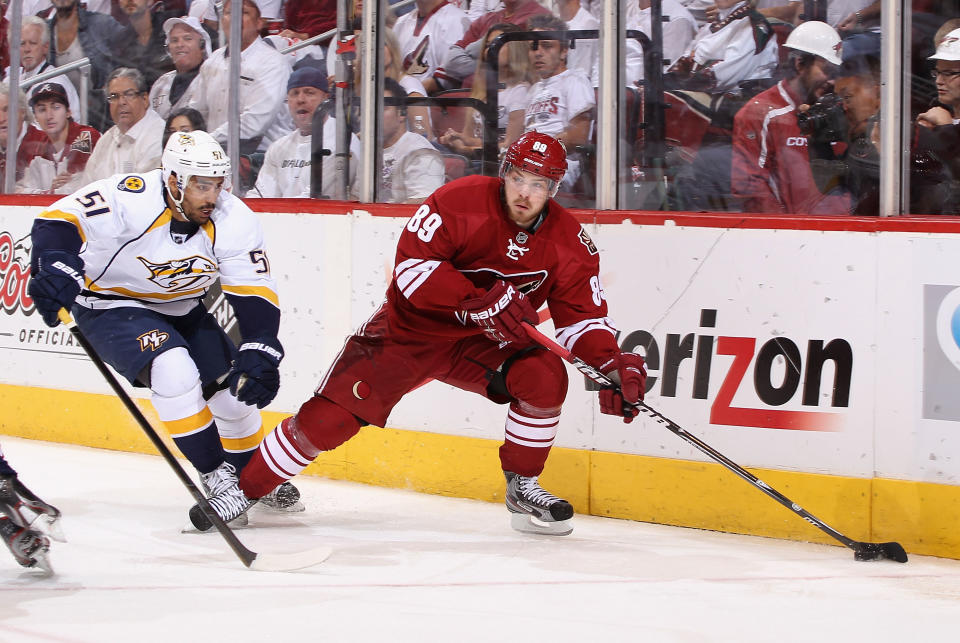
{"type": "Point", "coordinates": [56, 284]}
{"type": "Point", "coordinates": [255, 376]}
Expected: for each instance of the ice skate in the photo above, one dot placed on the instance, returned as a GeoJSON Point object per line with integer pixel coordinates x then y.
{"type": "Point", "coordinates": [24, 508]}
{"type": "Point", "coordinates": [225, 498]}
{"type": "Point", "coordinates": [29, 547]}
{"type": "Point", "coordinates": [535, 510]}
{"type": "Point", "coordinates": [285, 498]}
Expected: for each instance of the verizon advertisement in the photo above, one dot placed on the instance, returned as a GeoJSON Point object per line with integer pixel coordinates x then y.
{"type": "Point", "coordinates": [822, 351]}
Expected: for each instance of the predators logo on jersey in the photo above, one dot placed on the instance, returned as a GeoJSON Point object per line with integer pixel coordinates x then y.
{"type": "Point", "coordinates": [177, 275]}
{"type": "Point", "coordinates": [131, 184]}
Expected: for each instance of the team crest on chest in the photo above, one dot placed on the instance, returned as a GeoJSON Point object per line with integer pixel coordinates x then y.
{"type": "Point", "coordinates": [181, 274]}
{"type": "Point", "coordinates": [515, 251]}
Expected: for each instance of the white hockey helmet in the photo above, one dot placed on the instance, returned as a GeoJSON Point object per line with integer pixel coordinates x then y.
{"type": "Point", "coordinates": [949, 47]}
{"type": "Point", "coordinates": [817, 38]}
{"type": "Point", "coordinates": [193, 154]}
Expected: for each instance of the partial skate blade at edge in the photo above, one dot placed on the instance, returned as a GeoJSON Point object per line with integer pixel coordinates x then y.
{"type": "Point", "coordinates": [529, 525]}
{"type": "Point", "coordinates": [50, 525]}
{"type": "Point", "coordinates": [290, 561]}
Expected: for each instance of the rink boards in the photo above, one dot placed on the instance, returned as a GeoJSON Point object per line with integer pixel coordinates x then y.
{"type": "Point", "coordinates": [863, 431]}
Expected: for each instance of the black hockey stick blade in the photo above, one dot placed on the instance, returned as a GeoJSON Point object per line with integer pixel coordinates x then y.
{"type": "Point", "coordinates": [251, 559]}
{"type": "Point", "coordinates": [862, 551]}
{"type": "Point", "coordinates": [879, 551]}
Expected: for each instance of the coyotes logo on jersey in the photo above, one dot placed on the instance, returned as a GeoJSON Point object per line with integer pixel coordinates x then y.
{"type": "Point", "coordinates": [182, 274]}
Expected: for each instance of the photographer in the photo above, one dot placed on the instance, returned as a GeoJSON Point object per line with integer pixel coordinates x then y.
{"type": "Point", "coordinates": [850, 117]}
{"type": "Point", "coordinates": [770, 160]}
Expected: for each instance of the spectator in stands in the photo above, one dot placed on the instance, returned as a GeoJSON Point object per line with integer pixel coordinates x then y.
{"type": "Point", "coordinates": [461, 58]}
{"type": "Point", "coordinates": [188, 45]}
{"type": "Point", "coordinates": [585, 54]}
{"type": "Point", "coordinates": [264, 73]}
{"type": "Point", "coordinates": [739, 46]}
{"type": "Point", "coordinates": [935, 180]}
{"type": "Point", "coordinates": [23, 118]}
{"type": "Point", "coordinates": [418, 116]}
{"type": "Point", "coordinates": [304, 19]}
{"type": "Point", "coordinates": [184, 119]}
{"type": "Point", "coordinates": [513, 72]}
{"type": "Point", "coordinates": [851, 16]}
{"type": "Point", "coordinates": [770, 170]}
{"type": "Point", "coordinates": [679, 28]}
{"type": "Point", "coordinates": [852, 171]}
{"type": "Point", "coordinates": [426, 35]}
{"type": "Point", "coordinates": [57, 150]}
{"type": "Point", "coordinates": [133, 144]}
{"type": "Point", "coordinates": [141, 43]}
{"type": "Point", "coordinates": [77, 33]}
{"type": "Point", "coordinates": [287, 165]}
{"type": "Point", "coordinates": [34, 48]}
{"type": "Point", "coordinates": [561, 102]}
{"type": "Point", "coordinates": [412, 167]}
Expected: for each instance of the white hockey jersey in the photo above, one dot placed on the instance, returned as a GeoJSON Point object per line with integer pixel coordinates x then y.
{"type": "Point", "coordinates": [130, 257]}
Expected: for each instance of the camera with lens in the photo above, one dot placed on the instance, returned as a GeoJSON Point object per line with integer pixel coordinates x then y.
{"type": "Point", "coordinates": [824, 121]}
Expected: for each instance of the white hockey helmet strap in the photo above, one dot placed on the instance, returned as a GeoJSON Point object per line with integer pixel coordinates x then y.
{"type": "Point", "coordinates": [189, 154]}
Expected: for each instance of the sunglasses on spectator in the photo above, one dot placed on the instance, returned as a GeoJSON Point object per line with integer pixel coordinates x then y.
{"type": "Point", "coordinates": [130, 94]}
{"type": "Point", "coordinates": [948, 75]}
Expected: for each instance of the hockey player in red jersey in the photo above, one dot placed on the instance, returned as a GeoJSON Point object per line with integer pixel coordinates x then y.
{"type": "Point", "coordinates": [477, 259]}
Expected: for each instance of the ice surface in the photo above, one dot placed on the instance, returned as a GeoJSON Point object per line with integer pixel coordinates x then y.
{"type": "Point", "coordinates": [413, 567]}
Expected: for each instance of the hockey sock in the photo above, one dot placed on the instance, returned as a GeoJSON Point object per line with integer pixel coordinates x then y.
{"type": "Point", "coordinates": [529, 434]}
{"type": "Point", "coordinates": [178, 400]}
{"type": "Point", "coordinates": [538, 383]}
{"type": "Point", "coordinates": [240, 427]}
{"type": "Point", "coordinates": [278, 459]}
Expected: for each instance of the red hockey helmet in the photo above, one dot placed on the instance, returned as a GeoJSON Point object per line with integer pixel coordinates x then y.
{"type": "Point", "coordinates": [539, 154]}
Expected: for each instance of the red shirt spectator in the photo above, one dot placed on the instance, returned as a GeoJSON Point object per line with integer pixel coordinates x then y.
{"type": "Point", "coordinates": [308, 18]}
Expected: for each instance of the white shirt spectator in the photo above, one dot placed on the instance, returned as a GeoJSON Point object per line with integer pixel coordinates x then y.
{"type": "Point", "coordinates": [263, 80]}
{"type": "Point", "coordinates": [412, 170]}
{"type": "Point", "coordinates": [160, 95]}
{"type": "Point", "coordinates": [735, 49]}
{"type": "Point", "coordinates": [444, 27]}
{"type": "Point", "coordinates": [678, 33]}
{"type": "Point", "coordinates": [586, 55]}
{"type": "Point", "coordinates": [136, 151]}
{"type": "Point", "coordinates": [553, 102]}
{"type": "Point", "coordinates": [286, 165]}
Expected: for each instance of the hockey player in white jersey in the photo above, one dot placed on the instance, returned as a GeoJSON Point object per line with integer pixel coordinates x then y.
{"type": "Point", "coordinates": [131, 257]}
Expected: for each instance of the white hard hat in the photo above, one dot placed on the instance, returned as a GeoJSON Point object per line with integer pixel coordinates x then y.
{"type": "Point", "coordinates": [817, 38]}
{"type": "Point", "coordinates": [949, 47]}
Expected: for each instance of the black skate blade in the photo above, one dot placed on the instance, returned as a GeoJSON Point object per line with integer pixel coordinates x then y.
{"type": "Point", "coordinates": [291, 561]}
{"type": "Point", "coordinates": [527, 524]}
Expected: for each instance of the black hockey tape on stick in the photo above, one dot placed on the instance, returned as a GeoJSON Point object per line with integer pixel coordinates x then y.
{"type": "Point", "coordinates": [861, 550]}
{"type": "Point", "coordinates": [253, 560]}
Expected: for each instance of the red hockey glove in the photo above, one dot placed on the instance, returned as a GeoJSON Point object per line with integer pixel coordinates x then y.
{"type": "Point", "coordinates": [632, 375]}
{"type": "Point", "coordinates": [499, 312]}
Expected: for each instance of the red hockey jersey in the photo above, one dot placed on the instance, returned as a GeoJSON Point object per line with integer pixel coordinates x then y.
{"type": "Point", "coordinates": [460, 241]}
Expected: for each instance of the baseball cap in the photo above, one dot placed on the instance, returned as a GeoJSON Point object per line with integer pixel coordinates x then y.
{"type": "Point", "coordinates": [193, 23]}
{"type": "Point", "coordinates": [308, 77]}
{"type": "Point", "coordinates": [949, 48]}
{"type": "Point", "coordinates": [49, 91]}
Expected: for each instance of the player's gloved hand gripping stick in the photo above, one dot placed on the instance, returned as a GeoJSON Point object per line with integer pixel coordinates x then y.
{"type": "Point", "coordinates": [252, 559]}
{"type": "Point", "coordinates": [861, 550]}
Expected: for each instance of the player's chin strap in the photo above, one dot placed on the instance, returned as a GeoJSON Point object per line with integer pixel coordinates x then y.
{"type": "Point", "coordinates": [181, 187]}
{"type": "Point", "coordinates": [861, 550]}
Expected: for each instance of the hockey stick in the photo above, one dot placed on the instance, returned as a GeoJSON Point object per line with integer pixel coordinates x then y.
{"type": "Point", "coordinates": [861, 550]}
{"type": "Point", "coordinates": [252, 559]}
